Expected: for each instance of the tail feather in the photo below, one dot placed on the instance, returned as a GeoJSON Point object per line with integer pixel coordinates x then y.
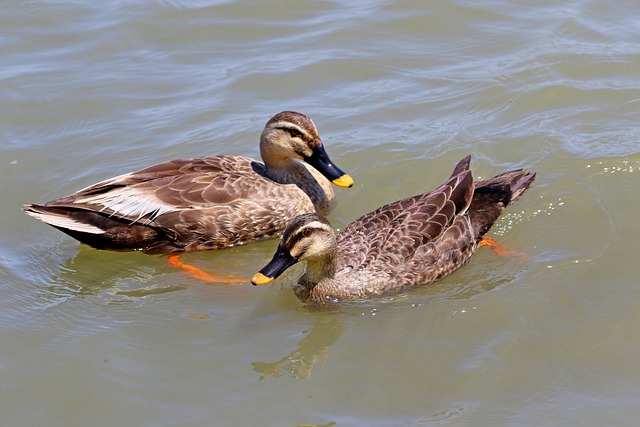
{"type": "Point", "coordinates": [492, 195]}
{"type": "Point", "coordinates": [60, 218]}
{"type": "Point", "coordinates": [97, 229]}
{"type": "Point", "coordinates": [462, 166]}
{"type": "Point", "coordinates": [520, 185]}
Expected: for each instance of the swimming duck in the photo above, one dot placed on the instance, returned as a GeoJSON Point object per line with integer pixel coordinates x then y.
{"type": "Point", "coordinates": [414, 241]}
{"type": "Point", "coordinates": [206, 202]}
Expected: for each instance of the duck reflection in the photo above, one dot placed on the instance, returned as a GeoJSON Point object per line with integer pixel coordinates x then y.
{"type": "Point", "coordinates": [311, 351]}
{"type": "Point", "coordinates": [124, 275]}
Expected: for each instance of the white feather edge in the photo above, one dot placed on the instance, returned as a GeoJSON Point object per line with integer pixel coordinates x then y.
{"type": "Point", "coordinates": [124, 203]}
{"type": "Point", "coordinates": [129, 203]}
{"type": "Point", "coordinates": [64, 222]}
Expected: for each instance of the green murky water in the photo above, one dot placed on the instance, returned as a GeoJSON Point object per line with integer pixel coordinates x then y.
{"type": "Point", "coordinates": [400, 90]}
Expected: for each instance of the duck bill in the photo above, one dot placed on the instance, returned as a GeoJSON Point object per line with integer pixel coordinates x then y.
{"type": "Point", "coordinates": [321, 162]}
{"type": "Point", "coordinates": [279, 263]}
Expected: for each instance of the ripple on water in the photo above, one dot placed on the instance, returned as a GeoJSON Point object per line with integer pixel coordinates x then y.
{"type": "Point", "coordinates": [25, 291]}
{"type": "Point", "coordinates": [402, 91]}
{"type": "Point", "coordinates": [75, 294]}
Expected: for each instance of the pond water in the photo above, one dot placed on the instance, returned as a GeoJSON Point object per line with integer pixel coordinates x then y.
{"type": "Point", "coordinates": [400, 91]}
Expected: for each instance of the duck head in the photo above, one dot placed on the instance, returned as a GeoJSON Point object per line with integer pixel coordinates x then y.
{"type": "Point", "coordinates": [290, 135]}
{"type": "Point", "coordinates": [308, 237]}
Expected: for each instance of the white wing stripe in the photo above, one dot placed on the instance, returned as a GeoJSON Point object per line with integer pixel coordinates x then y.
{"type": "Point", "coordinates": [129, 203]}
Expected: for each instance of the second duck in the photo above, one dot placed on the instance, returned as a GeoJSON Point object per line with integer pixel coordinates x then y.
{"type": "Point", "coordinates": [206, 202]}
{"type": "Point", "coordinates": [413, 241]}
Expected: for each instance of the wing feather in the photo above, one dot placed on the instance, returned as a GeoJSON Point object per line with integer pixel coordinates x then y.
{"type": "Point", "coordinates": [394, 233]}
{"type": "Point", "coordinates": [145, 195]}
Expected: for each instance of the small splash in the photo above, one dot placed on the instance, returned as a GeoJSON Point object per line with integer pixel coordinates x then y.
{"type": "Point", "coordinates": [510, 219]}
{"type": "Point", "coordinates": [463, 311]}
{"type": "Point", "coordinates": [616, 167]}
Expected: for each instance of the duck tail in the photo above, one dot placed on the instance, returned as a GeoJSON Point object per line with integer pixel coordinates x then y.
{"type": "Point", "coordinates": [61, 218]}
{"type": "Point", "coordinates": [94, 228]}
{"type": "Point", "coordinates": [462, 166]}
{"type": "Point", "coordinates": [507, 186]}
{"type": "Point", "coordinates": [493, 195]}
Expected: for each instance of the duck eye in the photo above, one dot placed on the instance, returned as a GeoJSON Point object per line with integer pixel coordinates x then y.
{"type": "Point", "coordinates": [295, 133]}
{"type": "Point", "coordinates": [307, 232]}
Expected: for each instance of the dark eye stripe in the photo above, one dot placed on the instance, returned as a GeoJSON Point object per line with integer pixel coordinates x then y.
{"type": "Point", "coordinates": [295, 238]}
{"type": "Point", "coordinates": [300, 234]}
{"type": "Point", "coordinates": [296, 228]}
{"type": "Point", "coordinates": [296, 132]}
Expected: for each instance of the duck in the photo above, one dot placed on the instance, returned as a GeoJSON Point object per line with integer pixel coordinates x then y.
{"type": "Point", "coordinates": [414, 241]}
{"type": "Point", "coordinates": [202, 203]}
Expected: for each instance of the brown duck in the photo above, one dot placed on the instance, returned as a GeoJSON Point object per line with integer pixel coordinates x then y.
{"type": "Point", "coordinates": [414, 241]}
{"type": "Point", "coordinates": [206, 202]}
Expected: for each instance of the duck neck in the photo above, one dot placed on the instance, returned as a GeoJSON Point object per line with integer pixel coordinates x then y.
{"type": "Point", "coordinates": [285, 170]}
{"type": "Point", "coordinates": [320, 269]}
{"type": "Point", "coordinates": [278, 162]}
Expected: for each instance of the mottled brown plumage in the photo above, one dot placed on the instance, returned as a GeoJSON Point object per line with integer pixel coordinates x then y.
{"type": "Point", "coordinates": [414, 241]}
{"type": "Point", "coordinates": [207, 202]}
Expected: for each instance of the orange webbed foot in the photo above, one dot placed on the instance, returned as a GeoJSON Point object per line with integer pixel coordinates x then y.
{"type": "Point", "coordinates": [500, 250]}
{"type": "Point", "coordinates": [199, 274]}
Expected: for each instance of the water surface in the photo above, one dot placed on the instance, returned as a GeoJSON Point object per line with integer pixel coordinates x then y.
{"type": "Point", "coordinates": [400, 91]}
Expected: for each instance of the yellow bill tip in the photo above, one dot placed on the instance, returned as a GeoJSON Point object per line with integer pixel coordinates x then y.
{"type": "Point", "coordinates": [261, 279]}
{"type": "Point", "coordinates": [344, 181]}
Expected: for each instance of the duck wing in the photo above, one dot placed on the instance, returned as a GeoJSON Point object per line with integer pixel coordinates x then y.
{"type": "Point", "coordinates": [182, 204]}
{"type": "Point", "coordinates": [400, 236]}
{"type": "Point", "coordinates": [144, 195]}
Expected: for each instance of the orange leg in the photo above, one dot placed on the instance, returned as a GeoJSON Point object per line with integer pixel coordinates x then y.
{"type": "Point", "coordinates": [500, 250]}
{"type": "Point", "coordinates": [199, 274]}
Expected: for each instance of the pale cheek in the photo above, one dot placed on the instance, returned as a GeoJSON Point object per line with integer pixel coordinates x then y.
{"type": "Point", "coordinates": [316, 249]}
